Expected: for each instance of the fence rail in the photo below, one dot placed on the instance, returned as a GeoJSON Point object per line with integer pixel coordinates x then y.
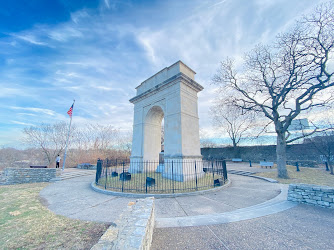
{"type": "Point", "coordinates": [171, 176]}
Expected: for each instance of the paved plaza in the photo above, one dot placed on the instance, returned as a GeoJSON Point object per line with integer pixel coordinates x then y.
{"type": "Point", "coordinates": [301, 227]}
{"type": "Point", "coordinates": [75, 199]}
{"type": "Point", "coordinates": [249, 214]}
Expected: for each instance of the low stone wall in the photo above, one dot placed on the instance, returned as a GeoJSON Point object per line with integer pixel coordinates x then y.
{"type": "Point", "coordinates": [303, 153]}
{"type": "Point", "coordinates": [312, 194]}
{"type": "Point", "coordinates": [133, 230]}
{"type": "Point", "coordinates": [12, 176]}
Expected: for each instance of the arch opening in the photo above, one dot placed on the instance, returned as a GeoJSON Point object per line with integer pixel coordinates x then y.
{"type": "Point", "coordinates": [153, 134]}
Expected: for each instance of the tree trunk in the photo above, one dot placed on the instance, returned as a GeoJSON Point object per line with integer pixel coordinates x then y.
{"type": "Point", "coordinates": [235, 149]}
{"type": "Point", "coordinates": [281, 156]}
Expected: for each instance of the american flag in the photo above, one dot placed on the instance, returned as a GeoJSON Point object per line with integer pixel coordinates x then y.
{"type": "Point", "coordinates": [69, 112]}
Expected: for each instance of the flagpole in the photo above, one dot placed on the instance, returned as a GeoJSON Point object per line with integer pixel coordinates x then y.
{"type": "Point", "coordinates": [68, 137]}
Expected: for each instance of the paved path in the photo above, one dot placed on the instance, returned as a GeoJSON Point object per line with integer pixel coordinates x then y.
{"type": "Point", "coordinates": [260, 215]}
{"type": "Point", "coordinates": [73, 173]}
{"type": "Point", "coordinates": [244, 166]}
{"type": "Point", "coordinates": [75, 199]}
{"type": "Point", "coordinates": [301, 227]}
{"type": "Point", "coordinates": [269, 207]}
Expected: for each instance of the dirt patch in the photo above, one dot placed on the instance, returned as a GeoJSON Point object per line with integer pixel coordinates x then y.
{"type": "Point", "coordinates": [43, 201]}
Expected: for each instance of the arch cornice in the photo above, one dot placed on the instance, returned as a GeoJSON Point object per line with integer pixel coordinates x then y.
{"type": "Point", "coordinates": [173, 80]}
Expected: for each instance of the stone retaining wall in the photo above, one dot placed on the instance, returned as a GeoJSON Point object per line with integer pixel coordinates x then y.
{"type": "Point", "coordinates": [27, 175]}
{"type": "Point", "coordinates": [294, 152]}
{"type": "Point", "coordinates": [312, 194]}
{"type": "Point", "coordinates": [133, 230]}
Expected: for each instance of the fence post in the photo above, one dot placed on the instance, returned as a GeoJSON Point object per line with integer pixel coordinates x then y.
{"type": "Point", "coordinates": [196, 175]}
{"type": "Point", "coordinates": [213, 175]}
{"type": "Point", "coordinates": [224, 171]}
{"type": "Point", "coordinates": [297, 167]}
{"type": "Point", "coordinates": [123, 179]}
{"type": "Point", "coordinates": [172, 177]}
{"type": "Point", "coordinates": [98, 171]}
{"type": "Point", "coordinates": [145, 169]}
{"type": "Point", "coordinates": [105, 183]}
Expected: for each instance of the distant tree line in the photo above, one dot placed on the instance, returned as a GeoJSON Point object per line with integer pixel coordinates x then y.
{"type": "Point", "coordinates": [86, 144]}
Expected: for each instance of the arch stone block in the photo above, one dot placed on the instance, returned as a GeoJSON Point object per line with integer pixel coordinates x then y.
{"type": "Point", "coordinates": [170, 94]}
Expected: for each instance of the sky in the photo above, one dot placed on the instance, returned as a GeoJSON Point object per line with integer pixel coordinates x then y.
{"type": "Point", "coordinates": [98, 51]}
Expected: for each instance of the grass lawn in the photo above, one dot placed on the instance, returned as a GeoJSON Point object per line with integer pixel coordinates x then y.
{"type": "Point", "coordinates": [26, 224]}
{"type": "Point", "coordinates": [316, 176]}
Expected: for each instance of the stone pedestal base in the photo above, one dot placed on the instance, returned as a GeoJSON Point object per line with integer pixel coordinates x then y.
{"type": "Point", "coordinates": [160, 168]}
{"type": "Point", "coordinates": [138, 165]}
{"type": "Point", "coordinates": [183, 169]}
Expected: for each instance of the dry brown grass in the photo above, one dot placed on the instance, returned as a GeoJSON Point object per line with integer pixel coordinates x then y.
{"type": "Point", "coordinates": [26, 224]}
{"type": "Point", "coordinates": [317, 176]}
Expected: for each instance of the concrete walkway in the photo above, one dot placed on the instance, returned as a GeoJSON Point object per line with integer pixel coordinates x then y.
{"type": "Point", "coordinates": [301, 227]}
{"type": "Point", "coordinates": [249, 214]}
{"type": "Point", "coordinates": [269, 207]}
{"type": "Point", "coordinates": [75, 199]}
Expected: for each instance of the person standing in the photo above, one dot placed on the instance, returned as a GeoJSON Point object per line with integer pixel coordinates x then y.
{"type": "Point", "coordinates": [57, 161]}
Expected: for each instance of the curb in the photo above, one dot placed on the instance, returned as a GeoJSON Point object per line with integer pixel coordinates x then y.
{"type": "Point", "coordinates": [264, 178]}
{"type": "Point", "coordinates": [157, 196]}
{"type": "Point", "coordinates": [255, 176]}
{"type": "Point", "coordinates": [133, 230]}
{"type": "Point", "coordinates": [275, 205]}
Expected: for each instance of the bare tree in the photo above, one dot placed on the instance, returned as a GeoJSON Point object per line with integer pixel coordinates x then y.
{"type": "Point", "coordinates": [12, 157]}
{"type": "Point", "coordinates": [205, 141]}
{"type": "Point", "coordinates": [324, 142]}
{"type": "Point", "coordinates": [95, 141]}
{"type": "Point", "coordinates": [325, 146]}
{"type": "Point", "coordinates": [233, 121]}
{"type": "Point", "coordinates": [51, 138]}
{"type": "Point", "coordinates": [162, 134]}
{"type": "Point", "coordinates": [125, 142]}
{"type": "Point", "coordinates": [286, 79]}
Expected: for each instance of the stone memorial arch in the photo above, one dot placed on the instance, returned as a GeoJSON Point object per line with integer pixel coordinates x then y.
{"type": "Point", "coordinates": [170, 94]}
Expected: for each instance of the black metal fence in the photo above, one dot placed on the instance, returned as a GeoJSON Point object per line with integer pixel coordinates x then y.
{"type": "Point", "coordinates": [171, 176]}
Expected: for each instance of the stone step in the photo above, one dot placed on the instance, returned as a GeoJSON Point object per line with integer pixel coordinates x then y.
{"type": "Point", "coordinates": [240, 172]}
{"type": "Point", "coordinates": [76, 174]}
{"type": "Point", "coordinates": [70, 175]}
{"type": "Point", "coordinates": [251, 174]}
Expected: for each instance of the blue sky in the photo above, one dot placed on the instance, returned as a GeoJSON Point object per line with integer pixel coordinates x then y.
{"type": "Point", "coordinates": [98, 51]}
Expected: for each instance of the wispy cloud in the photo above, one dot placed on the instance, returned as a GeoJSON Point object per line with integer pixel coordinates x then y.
{"type": "Point", "coordinates": [28, 114]}
{"type": "Point", "coordinates": [107, 3]}
{"type": "Point", "coordinates": [9, 92]}
{"type": "Point", "coordinates": [65, 34]}
{"type": "Point", "coordinates": [36, 110]}
{"type": "Point", "coordinates": [78, 15]}
{"type": "Point", "coordinates": [22, 123]}
{"type": "Point", "coordinates": [220, 2]}
{"type": "Point", "coordinates": [30, 39]}
{"type": "Point", "coordinates": [102, 88]}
